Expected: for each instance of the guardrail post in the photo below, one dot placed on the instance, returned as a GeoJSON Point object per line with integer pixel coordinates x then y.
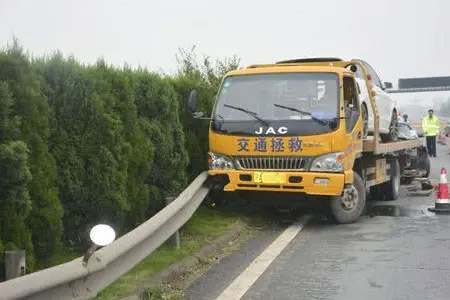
{"type": "Point", "coordinates": [174, 240]}
{"type": "Point", "coordinates": [14, 264]}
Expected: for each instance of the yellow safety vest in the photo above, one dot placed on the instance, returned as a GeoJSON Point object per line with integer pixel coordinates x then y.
{"type": "Point", "coordinates": [431, 126]}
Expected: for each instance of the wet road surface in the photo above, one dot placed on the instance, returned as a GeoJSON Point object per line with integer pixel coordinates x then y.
{"type": "Point", "coordinates": [399, 250]}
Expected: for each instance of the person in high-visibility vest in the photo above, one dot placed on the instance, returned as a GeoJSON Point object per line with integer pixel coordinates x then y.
{"type": "Point", "coordinates": [430, 125]}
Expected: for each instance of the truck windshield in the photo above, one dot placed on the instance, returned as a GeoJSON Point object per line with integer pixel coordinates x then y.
{"type": "Point", "coordinates": [306, 103]}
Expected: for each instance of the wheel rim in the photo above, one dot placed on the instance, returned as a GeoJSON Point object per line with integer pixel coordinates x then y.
{"type": "Point", "coordinates": [396, 182]}
{"type": "Point", "coordinates": [393, 128]}
{"type": "Point", "coordinates": [349, 198]}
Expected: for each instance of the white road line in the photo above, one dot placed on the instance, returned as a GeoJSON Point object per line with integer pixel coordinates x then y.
{"type": "Point", "coordinates": [248, 277]}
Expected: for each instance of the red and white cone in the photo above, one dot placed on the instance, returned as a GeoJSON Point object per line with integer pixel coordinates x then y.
{"type": "Point", "coordinates": [442, 203]}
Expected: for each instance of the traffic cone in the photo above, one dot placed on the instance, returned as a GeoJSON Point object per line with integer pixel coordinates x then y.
{"type": "Point", "coordinates": [442, 203]}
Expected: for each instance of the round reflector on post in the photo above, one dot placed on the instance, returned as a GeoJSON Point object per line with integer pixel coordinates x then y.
{"type": "Point", "coordinates": [102, 235]}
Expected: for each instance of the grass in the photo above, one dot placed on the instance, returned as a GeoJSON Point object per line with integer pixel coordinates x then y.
{"type": "Point", "coordinates": [206, 225]}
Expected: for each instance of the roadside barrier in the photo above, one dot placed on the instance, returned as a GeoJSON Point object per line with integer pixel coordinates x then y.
{"type": "Point", "coordinates": [78, 280]}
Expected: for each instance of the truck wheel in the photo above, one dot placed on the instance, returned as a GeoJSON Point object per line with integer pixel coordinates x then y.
{"type": "Point", "coordinates": [392, 136]}
{"type": "Point", "coordinates": [392, 187]}
{"type": "Point", "coordinates": [348, 207]}
{"type": "Point", "coordinates": [427, 167]}
{"type": "Point", "coordinates": [216, 197]}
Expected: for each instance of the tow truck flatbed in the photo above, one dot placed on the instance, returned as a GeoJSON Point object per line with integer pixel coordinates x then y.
{"type": "Point", "coordinates": [370, 145]}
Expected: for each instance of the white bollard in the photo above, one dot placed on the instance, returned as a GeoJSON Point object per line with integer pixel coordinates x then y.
{"type": "Point", "coordinates": [14, 264]}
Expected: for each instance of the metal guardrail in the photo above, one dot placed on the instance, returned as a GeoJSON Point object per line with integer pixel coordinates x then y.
{"type": "Point", "coordinates": [74, 280]}
{"type": "Point", "coordinates": [418, 90]}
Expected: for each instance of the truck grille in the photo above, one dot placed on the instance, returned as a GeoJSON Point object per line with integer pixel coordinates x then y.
{"type": "Point", "coordinates": [271, 162]}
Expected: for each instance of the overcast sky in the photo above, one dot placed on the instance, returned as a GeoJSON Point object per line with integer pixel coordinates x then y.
{"type": "Point", "coordinates": [398, 38]}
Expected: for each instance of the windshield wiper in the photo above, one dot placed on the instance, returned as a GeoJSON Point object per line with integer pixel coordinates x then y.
{"type": "Point", "coordinates": [216, 122]}
{"type": "Point", "coordinates": [248, 112]}
{"type": "Point", "coordinates": [303, 113]}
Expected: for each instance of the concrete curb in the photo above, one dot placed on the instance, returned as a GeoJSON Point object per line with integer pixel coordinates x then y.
{"type": "Point", "coordinates": [205, 255]}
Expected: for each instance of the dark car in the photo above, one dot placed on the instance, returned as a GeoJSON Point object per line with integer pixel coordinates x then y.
{"type": "Point", "coordinates": [406, 132]}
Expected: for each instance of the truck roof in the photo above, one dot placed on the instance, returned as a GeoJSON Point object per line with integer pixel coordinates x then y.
{"type": "Point", "coordinates": [287, 68]}
{"type": "Point", "coordinates": [315, 61]}
{"type": "Point", "coordinates": [309, 60]}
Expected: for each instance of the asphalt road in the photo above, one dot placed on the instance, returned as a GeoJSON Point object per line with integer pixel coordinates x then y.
{"type": "Point", "coordinates": [398, 250]}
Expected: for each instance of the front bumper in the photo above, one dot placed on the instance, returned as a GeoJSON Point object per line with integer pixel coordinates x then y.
{"type": "Point", "coordinates": [305, 185]}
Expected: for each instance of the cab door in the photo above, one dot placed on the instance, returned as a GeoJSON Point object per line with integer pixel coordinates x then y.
{"type": "Point", "coordinates": [353, 123]}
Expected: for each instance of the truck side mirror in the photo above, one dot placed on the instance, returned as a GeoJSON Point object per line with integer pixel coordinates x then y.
{"type": "Point", "coordinates": [192, 102]}
{"type": "Point", "coordinates": [192, 106]}
{"type": "Point", "coordinates": [388, 85]}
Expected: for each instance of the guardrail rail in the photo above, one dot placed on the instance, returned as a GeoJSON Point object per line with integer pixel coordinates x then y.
{"type": "Point", "coordinates": [75, 280]}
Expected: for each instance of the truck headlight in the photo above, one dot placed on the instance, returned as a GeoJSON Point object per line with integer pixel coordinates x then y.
{"type": "Point", "coordinates": [219, 162]}
{"type": "Point", "coordinates": [333, 162]}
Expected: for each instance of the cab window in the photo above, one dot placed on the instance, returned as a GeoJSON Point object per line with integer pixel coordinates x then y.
{"type": "Point", "coordinates": [351, 104]}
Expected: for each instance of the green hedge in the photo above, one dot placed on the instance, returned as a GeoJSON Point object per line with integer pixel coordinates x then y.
{"type": "Point", "coordinates": [84, 144]}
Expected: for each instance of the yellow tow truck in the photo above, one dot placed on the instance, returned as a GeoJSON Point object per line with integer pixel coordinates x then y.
{"type": "Point", "coordinates": [296, 127]}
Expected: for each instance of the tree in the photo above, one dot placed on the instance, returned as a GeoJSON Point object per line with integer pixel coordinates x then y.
{"type": "Point", "coordinates": [87, 144]}
{"type": "Point", "coordinates": [15, 202]}
{"type": "Point", "coordinates": [204, 76]}
{"type": "Point", "coordinates": [158, 108]}
{"type": "Point", "coordinates": [15, 199]}
{"type": "Point", "coordinates": [30, 106]}
{"type": "Point", "coordinates": [117, 141]}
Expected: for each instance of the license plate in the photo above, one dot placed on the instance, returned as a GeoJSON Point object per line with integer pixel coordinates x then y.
{"type": "Point", "coordinates": [269, 177]}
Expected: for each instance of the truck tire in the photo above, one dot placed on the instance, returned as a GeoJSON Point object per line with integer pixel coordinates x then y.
{"type": "Point", "coordinates": [427, 168]}
{"type": "Point", "coordinates": [392, 136]}
{"type": "Point", "coordinates": [216, 197]}
{"type": "Point", "coordinates": [425, 164]}
{"type": "Point", "coordinates": [392, 187]}
{"type": "Point", "coordinates": [421, 163]}
{"type": "Point", "coordinates": [348, 207]}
